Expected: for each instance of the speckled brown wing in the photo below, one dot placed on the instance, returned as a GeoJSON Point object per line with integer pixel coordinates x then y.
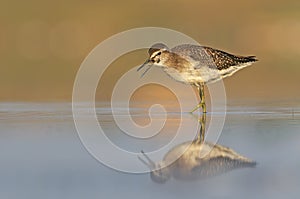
{"type": "Point", "coordinates": [210, 57]}
{"type": "Point", "coordinates": [223, 60]}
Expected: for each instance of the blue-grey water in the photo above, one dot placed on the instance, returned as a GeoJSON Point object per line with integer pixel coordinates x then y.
{"type": "Point", "coordinates": [42, 156]}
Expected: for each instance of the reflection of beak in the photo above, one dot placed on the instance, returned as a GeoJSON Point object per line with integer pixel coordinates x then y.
{"type": "Point", "coordinates": [150, 164]}
{"type": "Point", "coordinates": [142, 66]}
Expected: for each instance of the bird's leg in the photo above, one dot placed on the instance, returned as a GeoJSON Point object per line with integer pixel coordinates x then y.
{"type": "Point", "coordinates": [198, 106]}
{"type": "Point", "coordinates": [202, 99]}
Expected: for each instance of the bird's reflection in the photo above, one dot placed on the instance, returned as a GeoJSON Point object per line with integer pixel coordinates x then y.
{"type": "Point", "coordinates": [199, 160]}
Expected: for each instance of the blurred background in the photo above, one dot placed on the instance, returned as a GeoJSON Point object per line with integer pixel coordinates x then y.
{"type": "Point", "coordinates": [42, 43]}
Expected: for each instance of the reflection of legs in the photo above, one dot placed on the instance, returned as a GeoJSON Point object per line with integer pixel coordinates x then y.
{"type": "Point", "coordinates": [202, 122]}
{"type": "Point", "coordinates": [202, 99]}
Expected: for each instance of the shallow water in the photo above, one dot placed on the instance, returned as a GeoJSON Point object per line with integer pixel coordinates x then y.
{"type": "Point", "coordinates": [42, 156]}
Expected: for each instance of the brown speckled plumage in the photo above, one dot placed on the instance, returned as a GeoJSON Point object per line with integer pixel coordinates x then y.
{"type": "Point", "coordinates": [193, 64]}
{"type": "Point", "coordinates": [224, 60]}
{"type": "Point", "coordinates": [211, 57]}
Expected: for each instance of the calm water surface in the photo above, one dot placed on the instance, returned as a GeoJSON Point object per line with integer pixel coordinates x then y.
{"type": "Point", "coordinates": [42, 156]}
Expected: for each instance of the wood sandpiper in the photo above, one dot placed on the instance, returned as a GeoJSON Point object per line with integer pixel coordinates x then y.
{"type": "Point", "coordinates": [195, 65]}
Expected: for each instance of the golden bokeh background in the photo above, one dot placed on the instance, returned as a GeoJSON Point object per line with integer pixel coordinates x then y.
{"type": "Point", "coordinates": [42, 43]}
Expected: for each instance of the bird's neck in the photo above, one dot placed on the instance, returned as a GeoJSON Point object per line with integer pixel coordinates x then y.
{"type": "Point", "coordinates": [176, 61]}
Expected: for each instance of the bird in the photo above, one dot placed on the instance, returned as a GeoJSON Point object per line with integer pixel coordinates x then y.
{"type": "Point", "coordinates": [191, 166]}
{"type": "Point", "coordinates": [195, 65]}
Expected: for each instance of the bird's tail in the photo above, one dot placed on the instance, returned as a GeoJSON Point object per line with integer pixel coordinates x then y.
{"type": "Point", "coordinates": [245, 59]}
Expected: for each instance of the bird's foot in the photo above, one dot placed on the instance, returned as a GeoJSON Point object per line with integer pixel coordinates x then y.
{"type": "Point", "coordinates": [200, 105]}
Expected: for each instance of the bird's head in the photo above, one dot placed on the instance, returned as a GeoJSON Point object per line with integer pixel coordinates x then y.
{"type": "Point", "coordinates": [157, 56]}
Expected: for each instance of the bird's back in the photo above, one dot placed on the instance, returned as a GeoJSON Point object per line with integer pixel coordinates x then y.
{"type": "Point", "coordinates": [213, 58]}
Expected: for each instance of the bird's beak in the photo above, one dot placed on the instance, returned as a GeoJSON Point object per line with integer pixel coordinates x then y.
{"type": "Point", "coordinates": [150, 164]}
{"type": "Point", "coordinates": [144, 64]}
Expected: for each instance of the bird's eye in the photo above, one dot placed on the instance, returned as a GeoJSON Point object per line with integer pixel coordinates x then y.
{"type": "Point", "coordinates": [159, 53]}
